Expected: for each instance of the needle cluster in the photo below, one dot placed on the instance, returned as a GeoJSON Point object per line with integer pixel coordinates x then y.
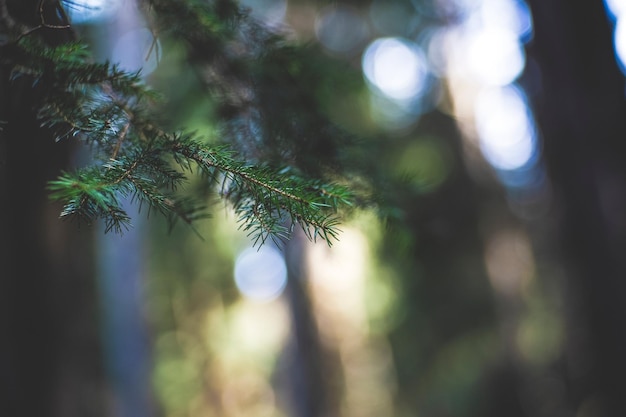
{"type": "Point", "coordinates": [116, 114]}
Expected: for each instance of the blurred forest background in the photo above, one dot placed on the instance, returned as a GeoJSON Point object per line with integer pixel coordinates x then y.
{"type": "Point", "coordinates": [490, 280]}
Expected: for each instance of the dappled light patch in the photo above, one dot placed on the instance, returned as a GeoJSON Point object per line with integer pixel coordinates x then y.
{"type": "Point", "coordinates": [337, 285]}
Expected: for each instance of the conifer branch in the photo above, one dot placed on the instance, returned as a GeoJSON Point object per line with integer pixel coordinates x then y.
{"type": "Point", "coordinates": [115, 112]}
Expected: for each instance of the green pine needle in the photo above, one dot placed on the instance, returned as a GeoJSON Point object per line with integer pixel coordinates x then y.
{"type": "Point", "coordinates": [115, 113]}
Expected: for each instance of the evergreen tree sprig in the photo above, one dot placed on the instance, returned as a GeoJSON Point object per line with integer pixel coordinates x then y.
{"type": "Point", "coordinates": [269, 203]}
{"type": "Point", "coordinates": [133, 157]}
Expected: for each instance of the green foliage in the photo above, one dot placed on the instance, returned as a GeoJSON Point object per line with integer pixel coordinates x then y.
{"type": "Point", "coordinates": [118, 115]}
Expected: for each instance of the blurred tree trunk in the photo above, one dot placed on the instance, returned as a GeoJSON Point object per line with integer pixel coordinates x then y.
{"type": "Point", "coordinates": [49, 349]}
{"type": "Point", "coordinates": [581, 112]}
{"type": "Point", "coordinates": [307, 376]}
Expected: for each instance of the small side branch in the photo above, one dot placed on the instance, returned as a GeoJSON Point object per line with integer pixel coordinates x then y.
{"type": "Point", "coordinates": [42, 21]}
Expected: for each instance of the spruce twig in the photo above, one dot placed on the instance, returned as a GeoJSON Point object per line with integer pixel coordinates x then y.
{"type": "Point", "coordinates": [111, 110]}
{"type": "Point", "coordinates": [115, 113]}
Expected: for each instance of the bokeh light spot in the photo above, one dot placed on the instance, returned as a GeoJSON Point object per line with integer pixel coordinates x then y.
{"type": "Point", "coordinates": [615, 8]}
{"type": "Point", "coordinates": [397, 67]}
{"type": "Point", "coordinates": [505, 129]}
{"type": "Point", "coordinates": [261, 274]}
{"type": "Point", "coordinates": [496, 57]}
{"type": "Point", "coordinates": [513, 15]}
{"type": "Point", "coordinates": [619, 39]}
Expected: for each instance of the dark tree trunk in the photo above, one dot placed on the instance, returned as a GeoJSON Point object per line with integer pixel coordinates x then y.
{"type": "Point", "coordinates": [581, 113]}
{"type": "Point", "coordinates": [49, 348]}
{"type": "Point", "coordinates": [306, 372]}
